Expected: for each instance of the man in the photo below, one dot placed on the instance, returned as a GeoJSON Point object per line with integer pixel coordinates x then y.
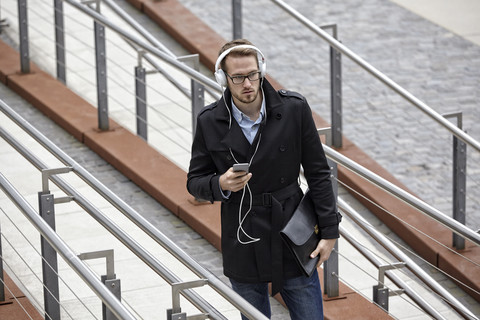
{"type": "Point", "coordinates": [274, 134]}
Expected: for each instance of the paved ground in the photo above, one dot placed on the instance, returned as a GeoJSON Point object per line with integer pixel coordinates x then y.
{"type": "Point", "coordinates": [394, 40]}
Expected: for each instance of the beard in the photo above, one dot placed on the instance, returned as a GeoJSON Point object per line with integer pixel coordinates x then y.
{"type": "Point", "coordinates": [245, 98]}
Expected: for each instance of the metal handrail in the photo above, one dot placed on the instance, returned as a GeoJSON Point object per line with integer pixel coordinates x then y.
{"type": "Point", "coordinates": [140, 29]}
{"type": "Point", "coordinates": [415, 202]}
{"type": "Point", "coordinates": [200, 81]}
{"type": "Point", "coordinates": [380, 76]}
{"type": "Point", "coordinates": [114, 229]}
{"type": "Point", "coordinates": [393, 277]}
{"type": "Point", "coordinates": [403, 195]}
{"type": "Point", "coordinates": [67, 254]}
{"type": "Point", "coordinates": [418, 271]}
{"type": "Point", "coordinates": [193, 74]}
{"type": "Point", "coordinates": [217, 284]}
{"type": "Point", "coordinates": [110, 225]}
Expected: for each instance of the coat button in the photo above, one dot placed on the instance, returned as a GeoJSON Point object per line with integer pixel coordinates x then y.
{"type": "Point", "coordinates": [278, 116]}
{"type": "Point", "coordinates": [229, 157]}
{"type": "Point", "coordinates": [282, 180]}
{"type": "Point", "coordinates": [283, 148]}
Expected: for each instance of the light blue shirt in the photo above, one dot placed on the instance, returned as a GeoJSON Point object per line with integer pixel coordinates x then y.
{"type": "Point", "coordinates": [249, 127]}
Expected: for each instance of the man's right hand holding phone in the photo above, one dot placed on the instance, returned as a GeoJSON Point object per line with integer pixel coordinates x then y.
{"type": "Point", "coordinates": [234, 179]}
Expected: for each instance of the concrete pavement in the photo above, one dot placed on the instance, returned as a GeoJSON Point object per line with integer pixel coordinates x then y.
{"type": "Point", "coordinates": [273, 67]}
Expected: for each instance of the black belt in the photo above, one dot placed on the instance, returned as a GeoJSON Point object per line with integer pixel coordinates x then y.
{"type": "Point", "coordinates": [265, 199]}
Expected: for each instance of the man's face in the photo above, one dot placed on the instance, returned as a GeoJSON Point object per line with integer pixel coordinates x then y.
{"type": "Point", "coordinates": [246, 92]}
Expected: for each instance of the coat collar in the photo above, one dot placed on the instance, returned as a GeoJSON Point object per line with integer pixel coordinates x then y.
{"type": "Point", "coordinates": [235, 139]}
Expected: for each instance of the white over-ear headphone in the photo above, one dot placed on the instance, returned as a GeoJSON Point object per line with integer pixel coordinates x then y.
{"type": "Point", "coordinates": [220, 75]}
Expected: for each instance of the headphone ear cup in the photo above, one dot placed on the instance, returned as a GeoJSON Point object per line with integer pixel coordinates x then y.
{"type": "Point", "coordinates": [262, 65]}
{"type": "Point", "coordinates": [221, 78]}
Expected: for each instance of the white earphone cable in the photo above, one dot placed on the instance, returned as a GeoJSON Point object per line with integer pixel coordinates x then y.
{"type": "Point", "coordinates": [240, 219]}
{"type": "Point", "coordinates": [246, 187]}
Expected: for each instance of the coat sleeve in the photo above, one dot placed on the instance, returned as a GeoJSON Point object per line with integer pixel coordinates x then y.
{"type": "Point", "coordinates": [202, 177]}
{"type": "Point", "coordinates": [317, 172]}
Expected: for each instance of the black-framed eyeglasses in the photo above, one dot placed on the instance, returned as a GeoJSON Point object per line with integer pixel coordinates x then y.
{"type": "Point", "coordinates": [252, 76]}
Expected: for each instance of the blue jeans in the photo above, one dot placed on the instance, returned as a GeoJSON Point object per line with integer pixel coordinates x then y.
{"type": "Point", "coordinates": [302, 295]}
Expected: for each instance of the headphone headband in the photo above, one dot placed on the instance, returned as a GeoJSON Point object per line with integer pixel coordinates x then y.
{"type": "Point", "coordinates": [220, 74]}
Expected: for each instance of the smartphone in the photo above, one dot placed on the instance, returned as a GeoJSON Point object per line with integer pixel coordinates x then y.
{"type": "Point", "coordinates": [240, 167]}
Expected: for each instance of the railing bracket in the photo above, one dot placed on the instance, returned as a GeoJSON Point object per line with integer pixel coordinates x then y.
{"type": "Point", "coordinates": [46, 173]}
{"type": "Point", "coordinates": [107, 254]}
{"type": "Point", "coordinates": [380, 292]}
{"type": "Point", "coordinates": [176, 312]}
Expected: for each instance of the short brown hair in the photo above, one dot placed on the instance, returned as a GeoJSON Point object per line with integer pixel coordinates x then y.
{"type": "Point", "coordinates": [239, 52]}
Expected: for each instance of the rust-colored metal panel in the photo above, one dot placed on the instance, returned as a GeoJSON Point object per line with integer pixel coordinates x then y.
{"type": "Point", "coordinates": [204, 218]}
{"type": "Point", "coordinates": [56, 101]}
{"type": "Point", "coordinates": [15, 303]}
{"type": "Point", "coordinates": [465, 271]}
{"type": "Point", "coordinates": [145, 166]}
{"type": "Point", "coordinates": [186, 28]}
{"type": "Point", "coordinates": [10, 62]}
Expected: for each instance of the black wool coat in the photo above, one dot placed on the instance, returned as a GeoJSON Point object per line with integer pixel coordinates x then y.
{"type": "Point", "coordinates": [286, 139]}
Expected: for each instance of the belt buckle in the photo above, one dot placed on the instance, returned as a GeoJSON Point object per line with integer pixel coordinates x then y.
{"type": "Point", "coordinates": [267, 199]}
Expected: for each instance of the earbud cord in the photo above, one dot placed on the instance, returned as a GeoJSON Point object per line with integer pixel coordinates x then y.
{"type": "Point", "coordinates": [229, 112]}
{"type": "Point", "coordinates": [240, 219]}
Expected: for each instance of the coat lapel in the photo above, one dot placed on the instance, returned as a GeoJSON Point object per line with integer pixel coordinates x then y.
{"type": "Point", "coordinates": [235, 139]}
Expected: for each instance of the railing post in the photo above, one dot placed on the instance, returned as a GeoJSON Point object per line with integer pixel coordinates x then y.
{"type": "Point", "coordinates": [2, 279]}
{"type": "Point", "coordinates": [60, 41]}
{"type": "Point", "coordinates": [111, 283]}
{"type": "Point", "coordinates": [49, 259]}
{"type": "Point", "coordinates": [330, 267]}
{"type": "Point", "coordinates": [141, 99]}
{"type": "Point", "coordinates": [114, 286]}
{"type": "Point", "coordinates": [381, 293]}
{"type": "Point", "coordinates": [237, 18]}
{"type": "Point", "coordinates": [335, 90]}
{"type": "Point", "coordinates": [197, 90]}
{"type": "Point", "coordinates": [46, 204]}
{"type": "Point", "coordinates": [380, 296]}
{"type": "Point", "coordinates": [101, 67]}
{"type": "Point", "coordinates": [459, 180]}
{"type": "Point", "coordinates": [23, 31]}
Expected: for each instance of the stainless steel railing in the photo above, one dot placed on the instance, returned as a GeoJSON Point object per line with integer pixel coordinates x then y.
{"type": "Point", "coordinates": [419, 272]}
{"type": "Point", "coordinates": [145, 48]}
{"type": "Point", "coordinates": [423, 207]}
{"type": "Point", "coordinates": [150, 260]}
{"type": "Point", "coordinates": [379, 75]}
{"type": "Point", "coordinates": [134, 216]}
{"type": "Point", "coordinates": [67, 254]}
{"type": "Point", "coordinates": [391, 275]}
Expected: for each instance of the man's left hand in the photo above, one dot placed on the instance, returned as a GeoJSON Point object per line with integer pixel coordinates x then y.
{"type": "Point", "coordinates": [324, 248]}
